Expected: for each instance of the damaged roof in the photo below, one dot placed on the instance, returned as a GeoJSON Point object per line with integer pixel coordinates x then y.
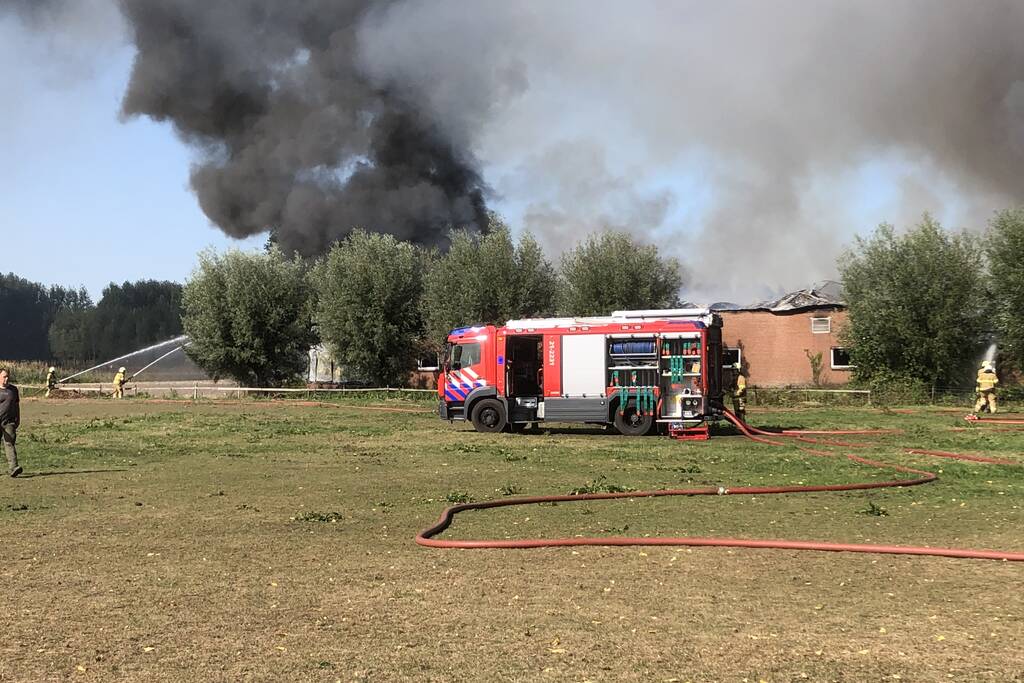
{"type": "Point", "coordinates": [825, 294]}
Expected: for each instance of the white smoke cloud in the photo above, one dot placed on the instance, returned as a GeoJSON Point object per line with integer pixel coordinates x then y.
{"type": "Point", "coordinates": [772, 107]}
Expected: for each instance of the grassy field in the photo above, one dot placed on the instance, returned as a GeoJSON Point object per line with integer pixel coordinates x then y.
{"type": "Point", "coordinates": [272, 541]}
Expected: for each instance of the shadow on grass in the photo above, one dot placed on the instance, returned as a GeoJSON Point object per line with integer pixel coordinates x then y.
{"type": "Point", "coordinates": [564, 429]}
{"type": "Point", "coordinates": [63, 472]}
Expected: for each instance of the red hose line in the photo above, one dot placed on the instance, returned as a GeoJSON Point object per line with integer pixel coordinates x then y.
{"type": "Point", "coordinates": [961, 456]}
{"type": "Point", "coordinates": [801, 435]}
{"type": "Point", "coordinates": [993, 421]}
{"type": "Point", "coordinates": [840, 431]}
{"type": "Point", "coordinates": [730, 543]}
{"type": "Point", "coordinates": [427, 537]}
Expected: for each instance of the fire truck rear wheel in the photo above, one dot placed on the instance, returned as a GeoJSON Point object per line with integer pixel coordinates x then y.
{"type": "Point", "coordinates": [489, 416]}
{"type": "Point", "coordinates": [629, 422]}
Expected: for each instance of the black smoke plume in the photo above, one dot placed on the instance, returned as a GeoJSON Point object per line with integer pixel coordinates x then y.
{"type": "Point", "coordinates": [292, 136]}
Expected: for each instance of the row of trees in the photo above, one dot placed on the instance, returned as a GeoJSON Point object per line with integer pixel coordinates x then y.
{"type": "Point", "coordinates": [381, 303]}
{"type": "Point", "coordinates": [29, 310]}
{"type": "Point", "coordinates": [63, 325]}
{"type": "Point", "coordinates": [925, 304]}
{"type": "Point", "coordinates": [128, 317]}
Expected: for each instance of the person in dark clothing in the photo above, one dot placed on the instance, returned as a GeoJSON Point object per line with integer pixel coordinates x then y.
{"type": "Point", "coordinates": [10, 420]}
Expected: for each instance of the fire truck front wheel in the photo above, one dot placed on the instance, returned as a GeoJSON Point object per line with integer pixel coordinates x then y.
{"type": "Point", "coordinates": [630, 422]}
{"type": "Point", "coordinates": [489, 416]}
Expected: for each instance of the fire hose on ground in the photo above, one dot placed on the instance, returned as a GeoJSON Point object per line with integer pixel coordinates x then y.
{"type": "Point", "coordinates": [428, 536]}
{"type": "Point", "coordinates": [993, 420]}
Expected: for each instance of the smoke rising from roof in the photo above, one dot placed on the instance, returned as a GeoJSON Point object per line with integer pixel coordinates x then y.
{"type": "Point", "coordinates": [746, 134]}
{"type": "Point", "coordinates": [751, 139]}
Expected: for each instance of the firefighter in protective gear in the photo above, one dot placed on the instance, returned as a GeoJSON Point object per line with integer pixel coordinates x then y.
{"type": "Point", "coordinates": [986, 388]}
{"type": "Point", "coordinates": [120, 379]}
{"type": "Point", "coordinates": [739, 395]}
{"type": "Point", "coordinates": [51, 380]}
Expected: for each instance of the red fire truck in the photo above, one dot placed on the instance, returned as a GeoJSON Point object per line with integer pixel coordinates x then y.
{"type": "Point", "coordinates": [636, 370]}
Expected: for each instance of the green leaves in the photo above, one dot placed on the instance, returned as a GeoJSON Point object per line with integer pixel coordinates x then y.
{"type": "Point", "coordinates": [249, 316]}
{"type": "Point", "coordinates": [487, 279]}
{"type": "Point", "coordinates": [1005, 250]}
{"type": "Point", "coordinates": [610, 271]}
{"type": "Point", "coordinates": [916, 304]}
{"type": "Point", "coordinates": [29, 310]}
{"type": "Point", "coordinates": [128, 317]}
{"type": "Point", "coordinates": [369, 289]}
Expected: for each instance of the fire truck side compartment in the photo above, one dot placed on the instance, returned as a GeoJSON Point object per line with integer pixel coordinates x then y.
{"type": "Point", "coordinates": [576, 410]}
{"type": "Point", "coordinates": [583, 362]}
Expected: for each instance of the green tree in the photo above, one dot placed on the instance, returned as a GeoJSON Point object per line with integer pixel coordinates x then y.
{"type": "Point", "coordinates": [71, 337]}
{"type": "Point", "coordinates": [537, 280]}
{"type": "Point", "coordinates": [487, 279]}
{"type": "Point", "coordinates": [1005, 249]}
{"type": "Point", "coordinates": [369, 287]}
{"type": "Point", "coordinates": [916, 304]}
{"type": "Point", "coordinates": [249, 316]}
{"type": "Point", "coordinates": [128, 317]}
{"type": "Point", "coordinates": [27, 311]}
{"type": "Point", "coordinates": [610, 271]}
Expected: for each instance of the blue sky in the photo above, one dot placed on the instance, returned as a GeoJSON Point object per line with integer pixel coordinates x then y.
{"type": "Point", "coordinates": [89, 199]}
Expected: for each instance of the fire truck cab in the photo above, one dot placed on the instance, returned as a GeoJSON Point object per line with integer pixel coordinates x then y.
{"type": "Point", "coordinates": [636, 370]}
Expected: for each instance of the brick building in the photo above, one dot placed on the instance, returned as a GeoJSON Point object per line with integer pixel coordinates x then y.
{"type": "Point", "coordinates": [778, 342]}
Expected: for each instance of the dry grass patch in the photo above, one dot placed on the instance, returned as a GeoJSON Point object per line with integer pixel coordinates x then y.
{"type": "Point", "coordinates": [265, 541]}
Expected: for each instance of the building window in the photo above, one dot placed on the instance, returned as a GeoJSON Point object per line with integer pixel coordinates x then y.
{"type": "Point", "coordinates": [731, 357]}
{"type": "Point", "coordinates": [821, 325]}
{"type": "Point", "coordinates": [840, 358]}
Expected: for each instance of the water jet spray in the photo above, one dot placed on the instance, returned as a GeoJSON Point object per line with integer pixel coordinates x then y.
{"type": "Point", "coordinates": [182, 341]}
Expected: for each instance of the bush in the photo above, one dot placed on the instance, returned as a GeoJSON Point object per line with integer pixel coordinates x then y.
{"type": "Point", "coordinates": [888, 388]}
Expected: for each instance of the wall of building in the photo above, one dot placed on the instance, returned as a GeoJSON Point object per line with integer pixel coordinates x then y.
{"type": "Point", "coordinates": [423, 379]}
{"type": "Point", "coordinates": [775, 345]}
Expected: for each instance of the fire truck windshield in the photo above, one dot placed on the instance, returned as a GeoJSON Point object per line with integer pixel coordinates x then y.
{"type": "Point", "coordinates": [464, 355]}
